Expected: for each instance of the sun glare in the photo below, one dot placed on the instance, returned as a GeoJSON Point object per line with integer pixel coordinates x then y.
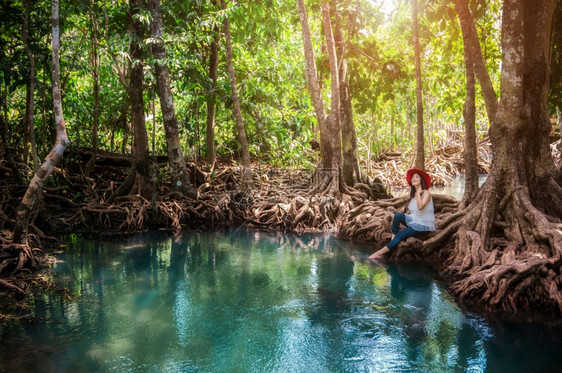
{"type": "Point", "coordinates": [387, 6]}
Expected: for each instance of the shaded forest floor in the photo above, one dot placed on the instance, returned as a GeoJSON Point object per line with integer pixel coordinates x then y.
{"type": "Point", "coordinates": [72, 202]}
{"type": "Point", "coordinates": [280, 200]}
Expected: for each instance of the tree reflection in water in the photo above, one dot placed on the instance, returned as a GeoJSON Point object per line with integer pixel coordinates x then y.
{"type": "Point", "coordinates": [253, 301]}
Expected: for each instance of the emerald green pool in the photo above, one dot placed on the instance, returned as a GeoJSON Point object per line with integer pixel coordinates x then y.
{"type": "Point", "coordinates": [252, 301]}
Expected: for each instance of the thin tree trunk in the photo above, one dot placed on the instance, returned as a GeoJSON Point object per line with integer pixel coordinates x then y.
{"type": "Point", "coordinates": [138, 181]}
{"type": "Point", "coordinates": [75, 57]}
{"type": "Point", "coordinates": [429, 127]}
{"type": "Point", "coordinates": [178, 172]}
{"type": "Point", "coordinates": [153, 107]}
{"type": "Point", "coordinates": [30, 100]}
{"type": "Point", "coordinates": [334, 133]}
{"type": "Point", "coordinates": [197, 150]}
{"type": "Point", "coordinates": [311, 73]}
{"type": "Point", "coordinates": [136, 87]}
{"type": "Point", "coordinates": [558, 115]}
{"type": "Point", "coordinates": [409, 117]}
{"type": "Point", "coordinates": [392, 131]}
{"type": "Point", "coordinates": [95, 62]}
{"type": "Point", "coordinates": [369, 149]}
{"type": "Point", "coordinates": [351, 167]}
{"type": "Point", "coordinates": [471, 38]}
{"type": "Point", "coordinates": [469, 113]}
{"type": "Point", "coordinates": [246, 171]}
{"type": "Point", "coordinates": [211, 99]}
{"type": "Point", "coordinates": [44, 95]}
{"type": "Point", "coordinates": [419, 160]}
{"type": "Point", "coordinates": [24, 210]}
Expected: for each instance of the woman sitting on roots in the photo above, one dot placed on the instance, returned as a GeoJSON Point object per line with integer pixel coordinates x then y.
{"type": "Point", "coordinates": [421, 218]}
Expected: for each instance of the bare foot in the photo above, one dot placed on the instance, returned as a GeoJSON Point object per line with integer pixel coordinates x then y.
{"type": "Point", "coordinates": [379, 254]}
{"type": "Point", "coordinates": [375, 256]}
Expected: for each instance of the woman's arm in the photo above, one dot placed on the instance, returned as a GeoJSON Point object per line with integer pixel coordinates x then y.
{"type": "Point", "coordinates": [422, 198]}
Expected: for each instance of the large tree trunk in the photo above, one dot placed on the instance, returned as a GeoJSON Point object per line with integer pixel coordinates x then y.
{"type": "Point", "coordinates": [327, 178]}
{"type": "Point", "coordinates": [470, 37]}
{"type": "Point", "coordinates": [95, 62]}
{"type": "Point", "coordinates": [419, 157]}
{"type": "Point", "coordinates": [138, 181]}
{"type": "Point", "coordinates": [211, 99]}
{"type": "Point", "coordinates": [26, 206]}
{"type": "Point", "coordinates": [351, 167]}
{"type": "Point", "coordinates": [136, 86]}
{"type": "Point", "coordinates": [178, 171]}
{"type": "Point", "coordinates": [508, 250]}
{"type": "Point", "coordinates": [469, 114]}
{"type": "Point", "coordinates": [246, 165]}
{"type": "Point", "coordinates": [30, 99]}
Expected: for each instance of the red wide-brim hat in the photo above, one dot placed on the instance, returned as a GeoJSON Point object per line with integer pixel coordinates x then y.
{"type": "Point", "coordinates": [422, 173]}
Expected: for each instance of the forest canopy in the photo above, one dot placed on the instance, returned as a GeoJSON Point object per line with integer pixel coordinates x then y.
{"type": "Point", "coordinates": [267, 48]}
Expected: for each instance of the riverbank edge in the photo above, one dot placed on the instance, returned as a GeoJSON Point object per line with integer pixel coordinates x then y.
{"type": "Point", "coordinates": [14, 308]}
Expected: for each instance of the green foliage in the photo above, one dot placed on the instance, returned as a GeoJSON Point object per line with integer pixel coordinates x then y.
{"type": "Point", "coordinates": [269, 68]}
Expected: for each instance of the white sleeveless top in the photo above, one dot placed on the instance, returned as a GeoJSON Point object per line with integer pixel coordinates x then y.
{"type": "Point", "coordinates": [421, 220]}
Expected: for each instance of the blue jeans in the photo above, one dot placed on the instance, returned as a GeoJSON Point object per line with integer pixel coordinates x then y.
{"type": "Point", "coordinates": [400, 235]}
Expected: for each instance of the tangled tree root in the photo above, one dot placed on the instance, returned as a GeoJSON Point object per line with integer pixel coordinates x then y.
{"type": "Point", "coordinates": [500, 256]}
{"type": "Point", "coordinates": [17, 261]}
{"type": "Point", "coordinates": [497, 257]}
{"type": "Point", "coordinates": [371, 222]}
{"type": "Point", "coordinates": [16, 257]}
{"type": "Point", "coordinates": [445, 163]}
{"type": "Point", "coordinates": [285, 203]}
{"type": "Point", "coordinates": [521, 268]}
{"type": "Point", "coordinates": [299, 214]}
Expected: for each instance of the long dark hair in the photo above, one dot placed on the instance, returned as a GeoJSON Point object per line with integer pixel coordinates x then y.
{"type": "Point", "coordinates": [413, 188]}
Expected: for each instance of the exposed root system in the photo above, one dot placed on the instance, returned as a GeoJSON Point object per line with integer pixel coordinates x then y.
{"type": "Point", "coordinates": [520, 269]}
{"type": "Point", "coordinates": [443, 165]}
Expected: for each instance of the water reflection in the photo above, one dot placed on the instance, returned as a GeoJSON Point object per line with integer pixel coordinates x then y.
{"type": "Point", "coordinates": [251, 301]}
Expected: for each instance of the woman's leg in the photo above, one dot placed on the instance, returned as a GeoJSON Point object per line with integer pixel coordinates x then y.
{"type": "Point", "coordinates": [400, 236]}
{"type": "Point", "coordinates": [398, 218]}
{"type": "Point", "coordinates": [396, 221]}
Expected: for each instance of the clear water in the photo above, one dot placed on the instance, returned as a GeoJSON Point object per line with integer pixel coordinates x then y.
{"type": "Point", "coordinates": [250, 301]}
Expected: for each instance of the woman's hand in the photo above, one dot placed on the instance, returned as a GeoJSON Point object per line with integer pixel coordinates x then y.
{"type": "Point", "coordinates": [422, 198]}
